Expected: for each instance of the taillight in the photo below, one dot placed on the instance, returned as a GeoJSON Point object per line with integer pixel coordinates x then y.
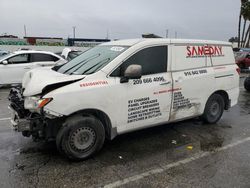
{"type": "Point", "coordinates": [238, 70]}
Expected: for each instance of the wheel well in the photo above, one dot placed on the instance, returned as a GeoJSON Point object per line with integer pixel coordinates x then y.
{"type": "Point", "coordinates": [225, 96]}
{"type": "Point", "coordinates": [103, 117]}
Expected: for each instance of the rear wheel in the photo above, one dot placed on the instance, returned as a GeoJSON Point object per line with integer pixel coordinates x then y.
{"type": "Point", "coordinates": [214, 109]}
{"type": "Point", "coordinates": [80, 137]}
{"type": "Point", "coordinates": [247, 84]}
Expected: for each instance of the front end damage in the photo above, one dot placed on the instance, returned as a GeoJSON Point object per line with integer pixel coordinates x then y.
{"type": "Point", "coordinates": [31, 122]}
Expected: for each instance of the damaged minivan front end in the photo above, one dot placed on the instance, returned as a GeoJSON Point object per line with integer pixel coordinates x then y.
{"type": "Point", "coordinates": [27, 106]}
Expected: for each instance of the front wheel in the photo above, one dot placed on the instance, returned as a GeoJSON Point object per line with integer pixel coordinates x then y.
{"type": "Point", "coordinates": [214, 109]}
{"type": "Point", "coordinates": [80, 137]}
{"type": "Point", "coordinates": [247, 84]}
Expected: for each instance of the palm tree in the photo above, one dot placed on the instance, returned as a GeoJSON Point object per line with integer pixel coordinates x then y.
{"type": "Point", "coordinates": [245, 12]}
{"type": "Point", "coordinates": [242, 12]}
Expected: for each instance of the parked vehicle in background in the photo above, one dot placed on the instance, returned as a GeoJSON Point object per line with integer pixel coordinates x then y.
{"type": "Point", "coordinates": [122, 86]}
{"type": "Point", "coordinates": [14, 65]}
{"type": "Point", "coordinates": [70, 54]}
{"type": "Point", "coordinates": [2, 53]}
{"type": "Point", "coordinates": [247, 83]}
{"type": "Point", "coordinates": [242, 59]}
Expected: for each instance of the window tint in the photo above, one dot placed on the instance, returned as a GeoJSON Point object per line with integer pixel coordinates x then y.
{"type": "Point", "coordinates": [153, 60]}
{"type": "Point", "coordinates": [22, 58]}
{"type": "Point", "coordinates": [43, 57]}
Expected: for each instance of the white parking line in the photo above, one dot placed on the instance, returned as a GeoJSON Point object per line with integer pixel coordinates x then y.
{"type": "Point", "coordinates": [3, 119]}
{"type": "Point", "coordinates": [168, 166]}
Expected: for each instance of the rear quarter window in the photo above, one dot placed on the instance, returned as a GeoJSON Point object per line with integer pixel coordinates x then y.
{"type": "Point", "coordinates": [38, 57]}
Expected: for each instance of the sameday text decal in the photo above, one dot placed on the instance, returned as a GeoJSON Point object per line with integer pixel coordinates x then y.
{"type": "Point", "coordinates": [203, 51]}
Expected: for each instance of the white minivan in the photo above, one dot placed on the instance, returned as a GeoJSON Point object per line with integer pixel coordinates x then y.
{"type": "Point", "coordinates": [123, 86]}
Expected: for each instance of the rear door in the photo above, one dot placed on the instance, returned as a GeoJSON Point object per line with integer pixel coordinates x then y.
{"type": "Point", "coordinates": [13, 72]}
{"type": "Point", "coordinates": [146, 101]}
{"type": "Point", "coordinates": [42, 60]}
{"type": "Point", "coordinates": [193, 80]}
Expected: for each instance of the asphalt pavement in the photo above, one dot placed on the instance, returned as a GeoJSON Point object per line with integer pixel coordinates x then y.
{"type": "Point", "coordinates": [184, 154]}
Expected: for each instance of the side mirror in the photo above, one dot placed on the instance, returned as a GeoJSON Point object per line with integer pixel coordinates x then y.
{"type": "Point", "coordinates": [132, 72]}
{"type": "Point", "coordinates": [5, 62]}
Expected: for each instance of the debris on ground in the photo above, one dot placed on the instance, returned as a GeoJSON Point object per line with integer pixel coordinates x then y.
{"type": "Point", "coordinates": [190, 147]}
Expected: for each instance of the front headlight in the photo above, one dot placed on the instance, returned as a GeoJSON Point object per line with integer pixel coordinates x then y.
{"type": "Point", "coordinates": [44, 101]}
{"type": "Point", "coordinates": [35, 103]}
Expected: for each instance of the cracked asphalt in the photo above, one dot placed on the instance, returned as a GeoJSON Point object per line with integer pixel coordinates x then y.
{"type": "Point", "coordinates": [24, 163]}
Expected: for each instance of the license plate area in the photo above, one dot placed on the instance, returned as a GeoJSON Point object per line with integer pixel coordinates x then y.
{"type": "Point", "coordinates": [17, 123]}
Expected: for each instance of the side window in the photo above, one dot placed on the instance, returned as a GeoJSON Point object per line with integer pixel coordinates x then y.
{"type": "Point", "coordinates": [21, 58]}
{"type": "Point", "coordinates": [43, 57]}
{"type": "Point", "coordinates": [153, 60]}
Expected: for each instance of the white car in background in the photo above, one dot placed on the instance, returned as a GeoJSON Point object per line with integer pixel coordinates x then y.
{"type": "Point", "coordinates": [14, 65]}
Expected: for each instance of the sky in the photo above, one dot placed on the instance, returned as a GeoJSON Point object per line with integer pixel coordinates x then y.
{"type": "Point", "coordinates": [192, 19]}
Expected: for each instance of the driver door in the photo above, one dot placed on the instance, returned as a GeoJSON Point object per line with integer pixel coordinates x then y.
{"type": "Point", "coordinates": [145, 101]}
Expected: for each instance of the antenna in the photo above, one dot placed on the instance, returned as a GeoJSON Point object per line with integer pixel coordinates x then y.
{"type": "Point", "coordinates": [107, 36]}
{"type": "Point", "coordinates": [25, 33]}
{"type": "Point", "coordinates": [167, 33]}
{"type": "Point", "coordinates": [74, 32]}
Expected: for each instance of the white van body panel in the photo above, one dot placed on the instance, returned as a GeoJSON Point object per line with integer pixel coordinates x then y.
{"type": "Point", "coordinates": [180, 92]}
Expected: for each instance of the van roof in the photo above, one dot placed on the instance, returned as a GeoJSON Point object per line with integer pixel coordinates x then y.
{"type": "Point", "coordinates": [151, 41]}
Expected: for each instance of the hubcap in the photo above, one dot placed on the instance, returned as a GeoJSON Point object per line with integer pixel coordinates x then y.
{"type": "Point", "coordinates": [215, 109]}
{"type": "Point", "coordinates": [82, 139]}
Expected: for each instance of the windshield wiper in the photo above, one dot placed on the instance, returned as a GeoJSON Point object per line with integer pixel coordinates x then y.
{"type": "Point", "coordinates": [100, 64]}
{"type": "Point", "coordinates": [84, 62]}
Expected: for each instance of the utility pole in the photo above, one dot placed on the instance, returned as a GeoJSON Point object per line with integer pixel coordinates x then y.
{"type": "Point", "coordinates": [25, 33]}
{"type": "Point", "coordinates": [74, 32]}
{"type": "Point", "coordinates": [176, 34]}
{"type": "Point", "coordinates": [107, 36]}
{"type": "Point", "coordinates": [167, 33]}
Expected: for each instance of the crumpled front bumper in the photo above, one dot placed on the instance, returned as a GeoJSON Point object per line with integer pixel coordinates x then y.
{"type": "Point", "coordinates": [19, 124]}
{"type": "Point", "coordinates": [19, 115]}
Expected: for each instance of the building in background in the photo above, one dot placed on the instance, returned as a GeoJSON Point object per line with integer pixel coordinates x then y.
{"type": "Point", "coordinates": [12, 40]}
{"type": "Point", "coordinates": [45, 41]}
{"type": "Point", "coordinates": [82, 42]}
{"type": "Point", "coordinates": [50, 41]}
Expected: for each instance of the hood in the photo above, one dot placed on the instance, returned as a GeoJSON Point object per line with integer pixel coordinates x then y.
{"type": "Point", "coordinates": [36, 80]}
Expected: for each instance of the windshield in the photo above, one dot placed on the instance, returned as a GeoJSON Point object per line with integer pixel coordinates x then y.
{"type": "Point", "coordinates": [74, 54]}
{"type": "Point", "coordinates": [240, 55]}
{"type": "Point", "coordinates": [5, 56]}
{"type": "Point", "coordinates": [92, 60]}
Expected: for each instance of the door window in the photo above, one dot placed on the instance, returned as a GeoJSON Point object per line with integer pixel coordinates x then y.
{"type": "Point", "coordinates": [42, 57]}
{"type": "Point", "coordinates": [153, 60]}
{"type": "Point", "coordinates": [21, 58]}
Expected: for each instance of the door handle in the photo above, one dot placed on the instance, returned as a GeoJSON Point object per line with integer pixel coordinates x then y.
{"type": "Point", "coordinates": [165, 83]}
{"type": "Point", "coordinates": [27, 68]}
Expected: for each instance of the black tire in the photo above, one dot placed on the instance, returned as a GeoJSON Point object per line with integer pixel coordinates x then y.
{"type": "Point", "coordinates": [242, 66]}
{"type": "Point", "coordinates": [214, 109]}
{"type": "Point", "coordinates": [80, 137]}
{"type": "Point", "coordinates": [247, 84]}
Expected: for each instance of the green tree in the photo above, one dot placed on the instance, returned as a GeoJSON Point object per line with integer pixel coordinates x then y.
{"type": "Point", "coordinates": [244, 37]}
